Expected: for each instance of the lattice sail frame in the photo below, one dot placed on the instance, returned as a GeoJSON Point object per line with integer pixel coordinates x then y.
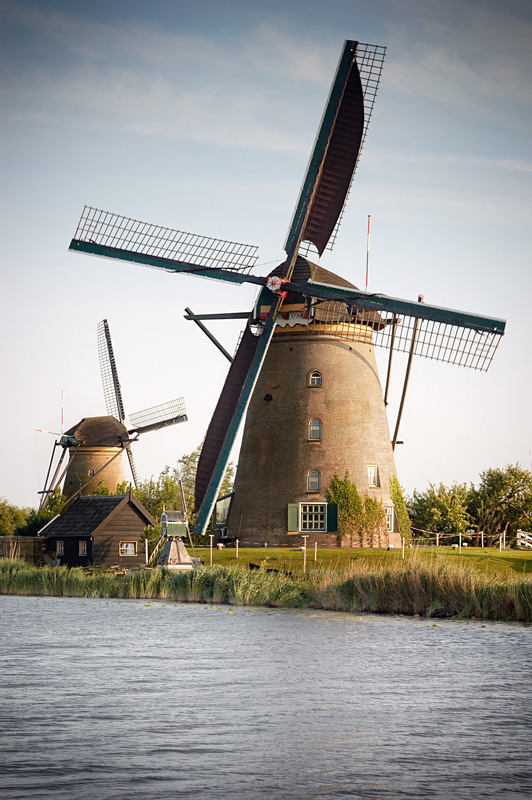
{"type": "Point", "coordinates": [106, 229]}
{"type": "Point", "coordinates": [370, 61]}
{"type": "Point", "coordinates": [158, 416]}
{"type": "Point", "coordinates": [439, 341]}
{"type": "Point", "coordinates": [111, 385]}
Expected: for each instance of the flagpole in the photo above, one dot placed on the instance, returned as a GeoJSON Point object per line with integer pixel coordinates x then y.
{"type": "Point", "coordinates": [367, 255]}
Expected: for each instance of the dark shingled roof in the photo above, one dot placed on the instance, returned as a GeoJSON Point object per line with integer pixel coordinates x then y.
{"type": "Point", "coordinates": [305, 270]}
{"type": "Point", "coordinates": [87, 513]}
{"type": "Point", "coordinates": [103, 431]}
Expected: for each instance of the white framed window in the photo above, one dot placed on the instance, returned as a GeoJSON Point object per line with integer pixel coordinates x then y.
{"type": "Point", "coordinates": [388, 510]}
{"type": "Point", "coordinates": [82, 548]}
{"type": "Point", "coordinates": [314, 430]}
{"type": "Point", "coordinates": [60, 547]}
{"type": "Point", "coordinates": [91, 473]}
{"type": "Point", "coordinates": [313, 480]}
{"type": "Point", "coordinates": [313, 516]}
{"type": "Point", "coordinates": [373, 475]}
{"type": "Point", "coordinates": [128, 548]}
{"type": "Point", "coordinates": [315, 378]}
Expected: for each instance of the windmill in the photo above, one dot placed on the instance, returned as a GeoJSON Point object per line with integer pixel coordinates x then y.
{"type": "Point", "coordinates": [95, 444]}
{"type": "Point", "coordinates": [305, 364]}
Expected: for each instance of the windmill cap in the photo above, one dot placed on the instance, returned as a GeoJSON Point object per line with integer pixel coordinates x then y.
{"type": "Point", "coordinates": [99, 431]}
{"type": "Point", "coordinates": [305, 270]}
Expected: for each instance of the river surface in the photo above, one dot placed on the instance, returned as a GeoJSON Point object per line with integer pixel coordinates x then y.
{"type": "Point", "coordinates": [137, 700]}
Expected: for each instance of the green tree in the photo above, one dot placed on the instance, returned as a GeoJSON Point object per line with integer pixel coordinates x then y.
{"type": "Point", "coordinates": [102, 489]}
{"type": "Point", "coordinates": [502, 501]}
{"type": "Point", "coordinates": [401, 510]}
{"type": "Point", "coordinates": [29, 521]}
{"type": "Point", "coordinates": [361, 522]}
{"type": "Point", "coordinates": [154, 493]}
{"type": "Point", "coordinates": [440, 510]}
{"type": "Point", "coordinates": [12, 518]}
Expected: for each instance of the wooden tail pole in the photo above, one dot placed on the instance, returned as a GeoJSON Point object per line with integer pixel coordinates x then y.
{"type": "Point", "coordinates": [388, 374]}
{"type": "Point", "coordinates": [407, 375]}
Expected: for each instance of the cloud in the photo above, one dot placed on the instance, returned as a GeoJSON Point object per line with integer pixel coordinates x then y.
{"type": "Point", "coordinates": [459, 52]}
{"type": "Point", "coordinates": [154, 82]}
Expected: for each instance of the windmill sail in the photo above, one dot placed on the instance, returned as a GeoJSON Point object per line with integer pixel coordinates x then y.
{"type": "Point", "coordinates": [111, 385]}
{"type": "Point", "coordinates": [223, 414]}
{"type": "Point", "coordinates": [157, 417]}
{"type": "Point", "coordinates": [113, 236]}
{"type": "Point", "coordinates": [338, 146]}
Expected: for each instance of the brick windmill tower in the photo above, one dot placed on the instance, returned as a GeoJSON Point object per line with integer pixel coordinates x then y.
{"type": "Point", "coordinates": [305, 364]}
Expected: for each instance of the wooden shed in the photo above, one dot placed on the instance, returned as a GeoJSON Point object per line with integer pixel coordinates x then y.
{"type": "Point", "coordinates": [104, 530]}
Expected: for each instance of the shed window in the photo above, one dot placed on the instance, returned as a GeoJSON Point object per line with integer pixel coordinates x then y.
{"type": "Point", "coordinates": [315, 378]}
{"type": "Point", "coordinates": [314, 430]}
{"type": "Point", "coordinates": [82, 548]}
{"type": "Point", "coordinates": [313, 480]}
{"type": "Point", "coordinates": [128, 548]}
{"type": "Point", "coordinates": [60, 547]}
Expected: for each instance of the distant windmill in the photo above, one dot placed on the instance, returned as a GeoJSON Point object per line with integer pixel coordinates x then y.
{"type": "Point", "coordinates": [95, 444]}
{"type": "Point", "coordinates": [306, 363]}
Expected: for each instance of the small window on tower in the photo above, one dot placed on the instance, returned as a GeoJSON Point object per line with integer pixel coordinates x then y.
{"type": "Point", "coordinates": [373, 475]}
{"type": "Point", "coordinates": [313, 480]}
{"type": "Point", "coordinates": [91, 473]}
{"type": "Point", "coordinates": [314, 430]}
{"type": "Point", "coordinates": [315, 378]}
{"type": "Point", "coordinates": [388, 510]}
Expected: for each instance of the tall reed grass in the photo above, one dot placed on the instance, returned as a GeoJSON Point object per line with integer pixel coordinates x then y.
{"type": "Point", "coordinates": [430, 589]}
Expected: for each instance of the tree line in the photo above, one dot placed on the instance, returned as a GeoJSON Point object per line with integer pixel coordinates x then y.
{"type": "Point", "coordinates": [500, 504]}
{"type": "Point", "coordinates": [153, 493]}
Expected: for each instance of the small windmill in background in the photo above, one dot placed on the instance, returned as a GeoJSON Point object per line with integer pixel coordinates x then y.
{"type": "Point", "coordinates": [95, 444]}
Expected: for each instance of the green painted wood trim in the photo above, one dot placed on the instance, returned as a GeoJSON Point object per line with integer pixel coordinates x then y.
{"type": "Point", "coordinates": [332, 517]}
{"type": "Point", "coordinates": [407, 308]}
{"type": "Point", "coordinates": [293, 518]}
{"type": "Point", "coordinates": [375, 301]}
{"type": "Point", "coordinates": [167, 264]}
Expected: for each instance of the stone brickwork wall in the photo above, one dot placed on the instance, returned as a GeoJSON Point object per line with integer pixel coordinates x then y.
{"type": "Point", "coordinates": [276, 453]}
{"type": "Point", "coordinates": [93, 458]}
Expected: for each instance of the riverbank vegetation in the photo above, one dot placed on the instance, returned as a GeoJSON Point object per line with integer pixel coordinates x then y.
{"type": "Point", "coordinates": [429, 586]}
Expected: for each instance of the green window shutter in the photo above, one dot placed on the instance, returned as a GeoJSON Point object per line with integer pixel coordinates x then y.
{"type": "Point", "coordinates": [293, 517]}
{"type": "Point", "coordinates": [332, 517]}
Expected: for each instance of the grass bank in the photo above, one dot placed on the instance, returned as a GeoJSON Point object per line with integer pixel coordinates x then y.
{"type": "Point", "coordinates": [429, 587]}
{"type": "Point", "coordinates": [488, 559]}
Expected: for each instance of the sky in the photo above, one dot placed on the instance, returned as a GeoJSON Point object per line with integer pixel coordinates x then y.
{"type": "Point", "coordinates": [201, 117]}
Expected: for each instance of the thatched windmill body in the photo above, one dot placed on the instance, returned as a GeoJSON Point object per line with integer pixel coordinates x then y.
{"type": "Point", "coordinates": [306, 358]}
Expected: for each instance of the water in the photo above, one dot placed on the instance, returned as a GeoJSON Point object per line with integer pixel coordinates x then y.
{"type": "Point", "coordinates": [134, 700]}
